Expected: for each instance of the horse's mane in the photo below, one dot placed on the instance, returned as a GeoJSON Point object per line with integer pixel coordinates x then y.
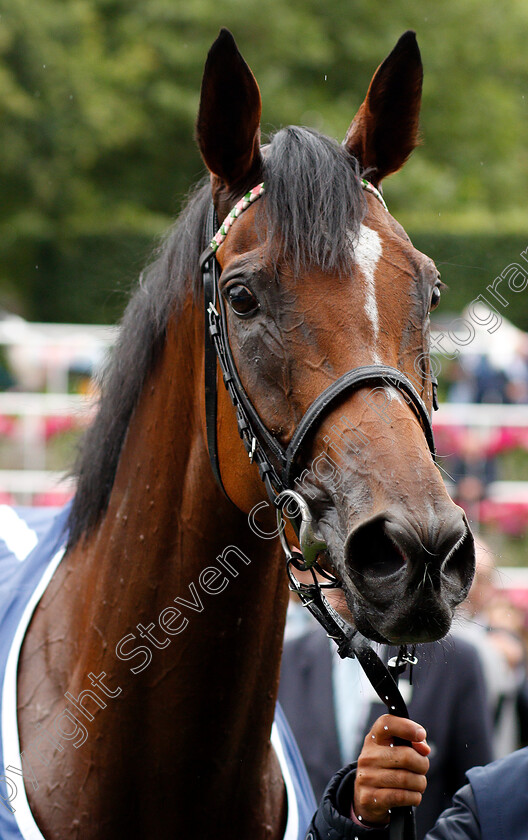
{"type": "Point", "coordinates": [314, 206]}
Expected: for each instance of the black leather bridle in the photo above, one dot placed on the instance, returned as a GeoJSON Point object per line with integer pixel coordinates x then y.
{"type": "Point", "coordinates": [277, 466]}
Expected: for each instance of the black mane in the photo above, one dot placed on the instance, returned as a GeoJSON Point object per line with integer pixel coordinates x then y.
{"type": "Point", "coordinates": [314, 206]}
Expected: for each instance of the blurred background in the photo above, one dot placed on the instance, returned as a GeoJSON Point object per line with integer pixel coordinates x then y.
{"type": "Point", "coordinates": [98, 101]}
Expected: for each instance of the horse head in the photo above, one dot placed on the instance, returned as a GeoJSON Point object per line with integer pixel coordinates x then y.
{"type": "Point", "coordinates": [318, 279]}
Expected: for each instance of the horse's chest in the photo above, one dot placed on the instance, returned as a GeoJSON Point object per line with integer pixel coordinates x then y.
{"type": "Point", "coordinates": [29, 558]}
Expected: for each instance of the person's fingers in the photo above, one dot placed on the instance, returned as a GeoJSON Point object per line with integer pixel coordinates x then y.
{"type": "Point", "coordinates": [375, 805]}
{"type": "Point", "coordinates": [377, 792]}
{"type": "Point", "coordinates": [422, 747]}
{"type": "Point", "coordinates": [387, 727]}
{"type": "Point", "coordinates": [390, 775]}
{"type": "Point", "coordinates": [390, 779]}
{"type": "Point", "coordinates": [393, 757]}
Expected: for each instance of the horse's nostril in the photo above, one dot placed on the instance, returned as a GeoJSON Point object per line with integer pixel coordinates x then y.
{"type": "Point", "coordinates": [383, 547]}
{"type": "Point", "coordinates": [459, 565]}
{"type": "Point", "coordinates": [370, 552]}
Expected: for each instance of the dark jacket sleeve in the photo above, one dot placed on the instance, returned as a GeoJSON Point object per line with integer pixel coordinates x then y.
{"type": "Point", "coordinates": [459, 822]}
{"type": "Point", "coordinates": [329, 821]}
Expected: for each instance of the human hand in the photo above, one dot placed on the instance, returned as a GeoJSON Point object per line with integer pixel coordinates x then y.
{"type": "Point", "coordinates": [390, 776]}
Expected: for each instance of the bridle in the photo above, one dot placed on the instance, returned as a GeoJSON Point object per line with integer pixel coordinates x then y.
{"type": "Point", "coordinates": [277, 466]}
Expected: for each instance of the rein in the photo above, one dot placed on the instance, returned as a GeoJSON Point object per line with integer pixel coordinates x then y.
{"type": "Point", "coordinates": [277, 465]}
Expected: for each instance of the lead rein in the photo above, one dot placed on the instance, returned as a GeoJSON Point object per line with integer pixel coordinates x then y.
{"type": "Point", "coordinates": [350, 643]}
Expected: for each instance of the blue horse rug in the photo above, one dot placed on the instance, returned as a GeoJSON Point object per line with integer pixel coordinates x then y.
{"type": "Point", "coordinates": [32, 544]}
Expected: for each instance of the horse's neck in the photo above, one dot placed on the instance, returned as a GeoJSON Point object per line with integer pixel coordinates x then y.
{"type": "Point", "coordinates": [174, 573]}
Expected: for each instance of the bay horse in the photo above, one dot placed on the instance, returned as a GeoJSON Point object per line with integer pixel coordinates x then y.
{"type": "Point", "coordinates": [162, 625]}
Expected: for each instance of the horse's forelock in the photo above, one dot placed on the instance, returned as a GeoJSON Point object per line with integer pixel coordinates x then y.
{"type": "Point", "coordinates": [314, 199]}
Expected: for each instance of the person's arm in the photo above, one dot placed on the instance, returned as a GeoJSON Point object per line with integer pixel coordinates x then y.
{"type": "Point", "coordinates": [383, 778]}
{"type": "Point", "coordinates": [460, 821]}
{"type": "Point", "coordinates": [333, 817]}
{"type": "Point", "coordinates": [357, 801]}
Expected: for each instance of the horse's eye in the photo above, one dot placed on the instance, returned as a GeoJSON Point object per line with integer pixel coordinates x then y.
{"type": "Point", "coordinates": [435, 297]}
{"type": "Point", "coordinates": [242, 301]}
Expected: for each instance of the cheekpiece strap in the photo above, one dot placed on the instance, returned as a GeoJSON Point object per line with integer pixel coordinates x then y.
{"type": "Point", "coordinates": [209, 278]}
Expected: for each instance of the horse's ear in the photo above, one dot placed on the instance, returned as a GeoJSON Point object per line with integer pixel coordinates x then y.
{"type": "Point", "coordinates": [228, 125]}
{"type": "Point", "coordinates": [385, 129]}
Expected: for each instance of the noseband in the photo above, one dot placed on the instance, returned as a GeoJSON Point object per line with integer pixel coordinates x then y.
{"type": "Point", "coordinates": [276, 464]}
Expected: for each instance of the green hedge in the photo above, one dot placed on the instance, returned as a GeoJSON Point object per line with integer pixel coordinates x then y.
{"type": "Point", "coordinates": [470, 262]}
{"type": "Point", "coordinates": [85, 279]}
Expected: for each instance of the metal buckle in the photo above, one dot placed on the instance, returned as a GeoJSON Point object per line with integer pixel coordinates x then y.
{"type": "Point", "coordinates": [402, 659]}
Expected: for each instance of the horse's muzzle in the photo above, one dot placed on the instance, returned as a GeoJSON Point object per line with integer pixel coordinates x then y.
{"type": "Point", "coordinates": [407, 583]}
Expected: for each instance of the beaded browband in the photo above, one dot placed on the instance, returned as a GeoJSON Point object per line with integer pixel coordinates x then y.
{"type": "Point", "coordinates": [252, 196]}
